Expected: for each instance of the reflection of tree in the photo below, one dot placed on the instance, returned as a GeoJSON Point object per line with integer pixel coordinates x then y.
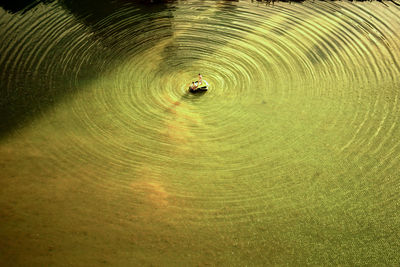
{"type": "Point", "coordinates": [92, 13]}
{"type": "Point", "coordinates": [14, 6]}
{"type": "Point", "coordinates": [24, 96]}
{"type": "Point", "coordinates": [19, 5]}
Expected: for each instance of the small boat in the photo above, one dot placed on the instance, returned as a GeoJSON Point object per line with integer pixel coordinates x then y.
{"type": "Point", "coordinates": [203, 87]}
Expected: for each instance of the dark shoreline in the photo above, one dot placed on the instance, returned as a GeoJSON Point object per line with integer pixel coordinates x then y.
{"type": "Point", "coordinates": [25, 5]}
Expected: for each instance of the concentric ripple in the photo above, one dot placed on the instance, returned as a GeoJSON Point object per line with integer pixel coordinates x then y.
{"type": "Point", "coordinates": [286, 158]}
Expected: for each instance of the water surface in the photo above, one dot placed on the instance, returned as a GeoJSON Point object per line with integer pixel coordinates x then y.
{"type": "Point", "coordinates": [292, 156]}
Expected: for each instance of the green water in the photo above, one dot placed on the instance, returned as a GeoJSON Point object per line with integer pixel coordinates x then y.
{"type": "Point", "coordinates": [291, 158]}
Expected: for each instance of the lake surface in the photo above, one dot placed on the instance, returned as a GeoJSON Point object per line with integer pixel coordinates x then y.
{"type": "Point", "coordinates": [291, 158]}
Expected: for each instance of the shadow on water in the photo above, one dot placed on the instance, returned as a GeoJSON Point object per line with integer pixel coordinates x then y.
{"type": "Point", "coordinates": [25, 95]}
{"type": "Point", "coordinates": [89, 8]}
{"type": "Point", "coordinates": [91, 12]}
{"type": "Point", "coordinates": [22, 6]}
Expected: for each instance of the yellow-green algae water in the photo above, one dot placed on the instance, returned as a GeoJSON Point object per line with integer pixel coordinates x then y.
{"type": "Point", "coordinates": [291, 158]}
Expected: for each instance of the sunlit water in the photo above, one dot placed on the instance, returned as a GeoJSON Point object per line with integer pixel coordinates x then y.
{"type": "Point", "coordinates": [291, 157]}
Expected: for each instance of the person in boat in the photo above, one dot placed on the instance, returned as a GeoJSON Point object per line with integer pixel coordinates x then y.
{"type": "Point", "coordinates": [193, 86]}
{"type": "Point", "coordinates": [200, 79]}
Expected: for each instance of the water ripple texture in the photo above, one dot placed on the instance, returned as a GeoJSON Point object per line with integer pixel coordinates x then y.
{"type": "Point", "coordinates": [292, 156]}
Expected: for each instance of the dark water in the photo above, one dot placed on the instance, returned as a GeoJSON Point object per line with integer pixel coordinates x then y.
{"type": "Point", "coordinates": [291, 157]}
